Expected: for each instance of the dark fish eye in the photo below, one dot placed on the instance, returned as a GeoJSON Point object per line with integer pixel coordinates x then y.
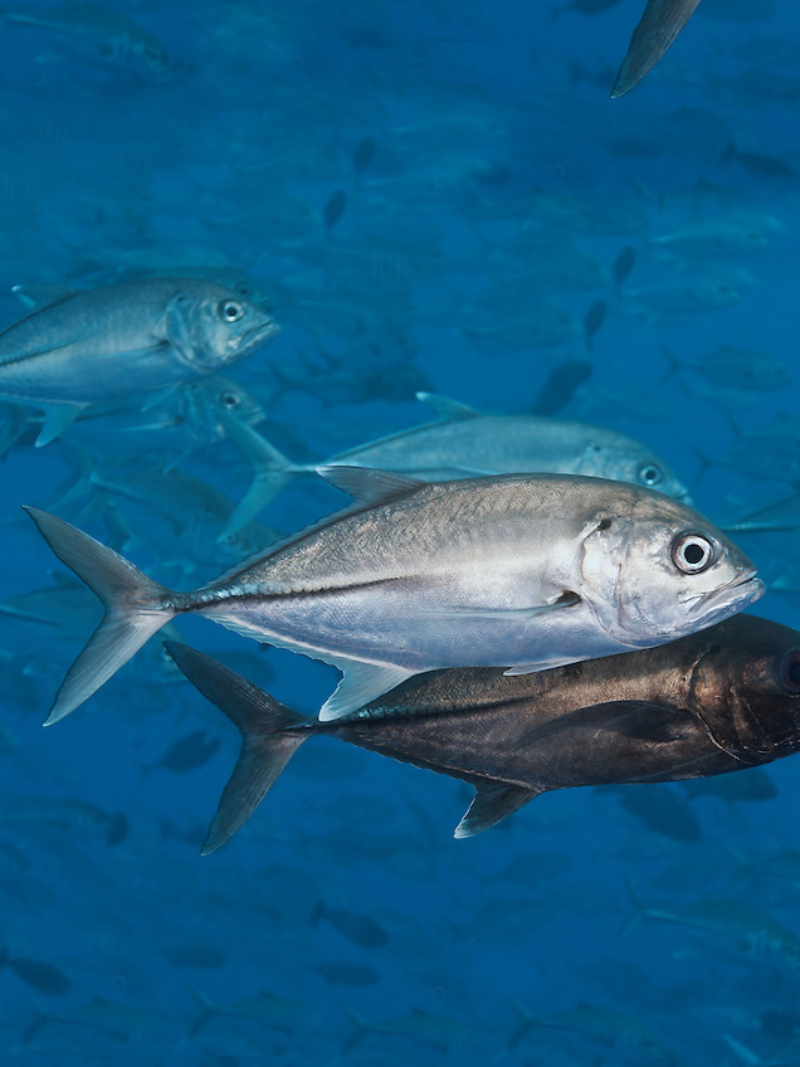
{"type": "Point", "coordinates": [229, 400]}
{"type": "Point", "coordinates": [692, 553]}
{"type": "Point", "coordinates": [649, 474]}
{"type": "Point", "coordinates": [789, 671]}
{"type": "Point", "coordinates": [230, 311]}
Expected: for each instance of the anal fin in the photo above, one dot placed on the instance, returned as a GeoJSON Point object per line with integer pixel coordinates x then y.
{"type": "Point", "coordinates": [493, 801]}
{"type": "Point", "coordinates": [57, 417]}
{"type": "Point", "coordinates": [362, 682]}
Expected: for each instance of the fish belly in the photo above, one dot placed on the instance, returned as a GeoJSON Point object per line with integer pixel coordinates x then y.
{"type": "Point", "coordinates": [391, 623]}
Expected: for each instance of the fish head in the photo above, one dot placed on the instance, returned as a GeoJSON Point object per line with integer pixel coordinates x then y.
{"type": "Point", "coordinates": [147, 56]}
{"type": "Point", "coordinates": [654, 570]}
{"type": "Point", "coordinates": [630, 461]}
{"type": "Point", "coordinates": [205, 401]}
{"type": "Point", "coordinates": [210, 326]}
{"type": "Point", "coordinates": [746, 688]}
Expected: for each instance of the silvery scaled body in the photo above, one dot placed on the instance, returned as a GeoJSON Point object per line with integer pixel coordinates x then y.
{"type": "Point", "coordinates": [525, 572]}
{"type": "Point", "coordinates": [86, 348]}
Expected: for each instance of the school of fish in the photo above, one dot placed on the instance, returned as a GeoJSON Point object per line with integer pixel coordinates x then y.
{"type": "Point", "coordinates": [461, 398]}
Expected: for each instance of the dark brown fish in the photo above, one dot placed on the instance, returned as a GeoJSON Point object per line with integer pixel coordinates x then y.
{"type": "Point", "coordinates": [720, 700]}
{"type": "Point", "coordinates": [41, 976]}
{"type": "Point", "coordinates": [658, 27]}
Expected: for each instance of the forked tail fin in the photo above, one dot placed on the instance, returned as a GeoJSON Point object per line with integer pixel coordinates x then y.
{"type": "Point", "coordinates": [133, 603]}
{"type": "Point", "coordinates": [271, 734]}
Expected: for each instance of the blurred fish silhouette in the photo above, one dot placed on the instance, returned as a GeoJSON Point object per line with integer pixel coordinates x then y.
{"type": "Point", "coordinates": [658, 27]}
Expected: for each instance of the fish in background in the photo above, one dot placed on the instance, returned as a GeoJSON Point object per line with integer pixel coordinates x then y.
{"type": "Point", "coordinates": [525, 571]}
{"type": "Point", "coordinates": [79, 818]}
{"type": "Point", "coordinates": [784, 515]}
{"type": "Point", "coordinates": [601, 1031]}
{"type": "Point", "coordinates": [185, 420]}
{"type": "Point", "coordinates": [728, 930]}
{"type": "Point", "coordinates": [722, 700]}
{"type": "Point", "coordinates": [720, 238]}
{"type": "Point", "coordinates": [175, 516]}
{"type": "Point", "coordinates": [561, 383]}
{"type": "Point", "coordinates": [658, 27]}
{"type": "Point", "coordinates": [93, 34]}
{"type": "Point", "coordinates": [463, 443]}
{"type": "Point", "coordinates": [80, 349]}
{"type": "Point", "coordinates": [758, 164]}
{"type": "Point", "coordinates": [731, 368]}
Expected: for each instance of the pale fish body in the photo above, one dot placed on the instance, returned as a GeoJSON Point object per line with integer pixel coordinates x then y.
{"type": "Point", "coordinates": [686, 296]}
{"type": "Point", "coordinates": [720, 238]}
{"type": "Point", "coordinates": [188, 418]}
{"type": "Point", "coordinates": [732, 931]}
{"type": "Point", "coordinates": [89, 347]}
{"type": "Point", "coordinates": [736, 368]}
{"type": "Point", "coordinates": [522, 571]}
{"type": "Point", "coordinates": [464, 444]}
{"type": "Point", "coordinates": [98, 36]}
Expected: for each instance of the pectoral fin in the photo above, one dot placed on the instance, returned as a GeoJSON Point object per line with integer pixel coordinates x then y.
{"type": "Point", "coordinates": [566, 600]}
{"type": "Point", "coordinates": [362, 682]}
{"type": "Point", "coordinates": [492, 802]}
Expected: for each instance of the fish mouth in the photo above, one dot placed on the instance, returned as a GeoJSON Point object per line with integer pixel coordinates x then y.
{"type": "Point", "coordinates": [259, 335]}
{"type": "Point", "coordinates": [720, 603]}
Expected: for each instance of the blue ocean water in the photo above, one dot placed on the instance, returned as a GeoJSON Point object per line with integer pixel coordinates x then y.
{"type": "Point", "coordinates": [432, 197]}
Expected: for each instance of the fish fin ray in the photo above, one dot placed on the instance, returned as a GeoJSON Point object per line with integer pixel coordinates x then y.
{"type": "Point", "coordinates": [362, 683]}
{"type": "Point", "coordinates": [129, 597]}
{"type": "Point", "coordinates": [272, 471]}
{"type": "Point", "coordinates": [493, 802]}
{"type": "Point", "coordinates": [658, 27]}
{"type": "Point", "coordinates": [270, 737]}
{"type": "Point", "coordinates": [36, 297]}
{"type": "Point", "coordinates": [446, 408]}
{"type": "Point", "coordinates": [57, 417]}
{"type": "Point", "coordinates": [367, 485]}
{"type": "Point", "coordinates": [566, 600]}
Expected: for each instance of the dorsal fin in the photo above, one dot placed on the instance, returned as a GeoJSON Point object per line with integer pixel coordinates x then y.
{"type": "Point", "coordinates": [446, 408]}
{"type": "Point", "coordinates": [368, 486]}
{"type": "Point", "coordinates": [492, 802]}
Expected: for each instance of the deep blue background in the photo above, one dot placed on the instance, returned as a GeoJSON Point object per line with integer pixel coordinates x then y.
{"type": "Point", "coordinates": [485, 118]}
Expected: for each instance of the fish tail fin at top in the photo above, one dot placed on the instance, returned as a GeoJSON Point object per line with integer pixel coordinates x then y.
{"type": "Point", "coordinates": [658, 27]}
{"type": "Point", "coordinates": [272, 471]}
{"type": "Point", "coordinates": [271, 734]}
{"type": "Point", "coordinates": [133, 604]}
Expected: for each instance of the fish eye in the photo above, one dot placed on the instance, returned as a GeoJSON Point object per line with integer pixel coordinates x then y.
{"type": "Point", "coordinates": [692, 553]}
{"type": "Point", "coordinates": [649, 474]}
{"type": "Point", "coordinates": [230, 311]}
{"type": "Point", "coordinates": [789, 671]}
{"type": "Point", "coordinates": [229, 399]}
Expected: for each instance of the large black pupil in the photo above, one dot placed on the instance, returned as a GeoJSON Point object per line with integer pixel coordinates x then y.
{"type": "Point", "coordinates": [694, 554]}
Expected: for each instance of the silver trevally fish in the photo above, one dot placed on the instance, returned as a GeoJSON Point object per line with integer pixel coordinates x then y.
{"type": "Point", "coordinates": [82, 348]}
{"type": "Point", "coordinates": [185, 420]}
{"type": "Point", "coordinates": [463, 444]}
{"type": "Point", "coordinates": [519, 571]}
{"type": "Point", "coordinates": [95, 35]}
